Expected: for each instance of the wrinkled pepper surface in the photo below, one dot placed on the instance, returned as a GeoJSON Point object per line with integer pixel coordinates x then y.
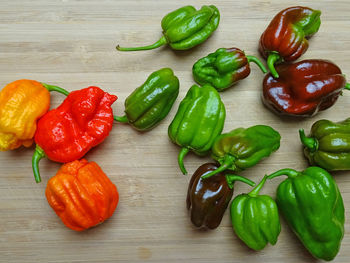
{"type": "Point", "coordinates": [150, 103]}
{"type": "Point", "coordinates": [285, 38]}
{"type": "Point", "coordinates": [303, 88]}
{"type": "Point", "coordinates": [185, 28]}
{"type": "Point", "coordinates": [328, 144]}
{"type": "Point", "coordinates": [199, 120]}
{"type": "Point", "coordinates": [22, 103]}
{"type": "Point", "coordinates": [224, 68]}
{"type": "Point", "coordinates": [243, 148]}
{"type": "Point", "coordinates": [82, 195]}
{"type": "Point", "coordinates": [67, 133]}
{"type": "Point", "coordinates": [255, 218]}
{"type": "Point", "coordinates": [313, 207]}
{"type": "Point", "coordinates": [208, 199]}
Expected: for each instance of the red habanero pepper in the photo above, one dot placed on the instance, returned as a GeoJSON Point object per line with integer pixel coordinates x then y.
{"type": "Point", "coordinates": [67, 133]}
{"type": "Point", "coordinates": [303, 88]}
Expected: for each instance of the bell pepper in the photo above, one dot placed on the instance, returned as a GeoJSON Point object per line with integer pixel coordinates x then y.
{"type": "Point", "coordinates": [313, 207]}
{"type": "Point", "coordinates": [303, 88]}
{"type": "Point", "coordinates": [223, 68]}
{"type": "Point", "coordinates": [328, 145]}
{"type": "Point", "coordinates": [185, 28]}
{"type": "Point", "coordinates": [243, 148]}
{"type": "Point", "coordinates": [199, 120]}
{"type": "Point", "coordinates": [22, 103]}
{"type": "Point", "coordinates": [82, 195]}
{"type": "Point", "coordinates": [286, 37]}
{"type": "Point", "coordinates": [255, 218]}
{"type": "Point", "coordinates": [150, 103]}
{"type": "Point", "coordinates": [207, 200]}
{"type": "Point", "coordinates": [67, 133]}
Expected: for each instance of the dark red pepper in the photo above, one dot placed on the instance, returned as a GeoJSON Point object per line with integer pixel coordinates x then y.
{"type": "Point", "coordinates": [303, 88]}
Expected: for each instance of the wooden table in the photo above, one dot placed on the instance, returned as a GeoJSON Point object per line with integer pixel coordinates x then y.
{"type": "Point", "coordinates": [72, 44]}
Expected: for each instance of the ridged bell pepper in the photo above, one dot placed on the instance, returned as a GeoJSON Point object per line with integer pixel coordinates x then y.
{"type": "Point", "coordinates": [207, 200]}
{"type": "Point", "coordinates": [199, 120]}
{"type": "Point", "coordinates": [328, 144]}
{"type": "Point", "coordinates": [255, 218]}
{"type": "Point", "coordinates": [82, 195]}
{"type": "Point", "coordinates": [185, 28]}
{"type": "Point", "coordinates": [313, 207]}
{"type": "Point", "coordinates": [285, 38]}
{"type": "Point", "coordinates": [243, 148]}
{"type": "Point", "coordinates": [303, 88]}
{"type": "Point", "coordinates": [22, 103]}
{"type": "Point", "coordinates": [223, 68]}
{"type": "Point", "coordinates": [67, 133]}
{"type": "Point", "coordinates": [150, 103]}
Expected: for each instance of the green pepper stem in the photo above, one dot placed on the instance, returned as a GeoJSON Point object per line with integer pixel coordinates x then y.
{"type": "Point", "coordinates": [228, 161]}
{"type": "Point", "coordinates": [308, 142]}
{"type": "Point", "coordinates": [257, 62]}
{"type": "Point", "coordinates": [122, 119]}
{"type": "Point", "coordinates": [289, 172]}
{"type": "Point", "coordinates": [271, 60]}
{"type": "Point", "coordinates": [181, 157]}
{"type": "Point", "coordinates": [257, 189]}
{"type": "Point", "coordinates": [232, 178]}
{"type": "Point", "coordinates": [347, 86]}
{"type": "Point", "coordinates": [162, 41]}
{"type": "Point", "coordinates": [37, 156]}
{"type": "Point", "coordinates": [55, 88]}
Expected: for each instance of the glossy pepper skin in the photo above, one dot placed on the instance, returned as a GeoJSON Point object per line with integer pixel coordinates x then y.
{"type": "Point", "coordinates": [67, 133]}
{"type": "Point", "coordinates": [185, 28]}
{"type": "Point", "coordinates": [242, 148]}
{"type": "Point", "coordinates": [150, 103]}
{"type": "Point", "coordinates": [82, 195]}
{"type": "Point", "coordinates": [199, 120]}
{"type": "Point", "coordinates": [223, 68]}
{"type": "Point", "coordinates": [255, 218]}
{"type": "Point", "coordinates": [285, 39]}
{"type": "Point", "coordinates": [313, 207]}
{"type": "Point", "coordinates": [22, 103]}
{"type": "Point", "coordinates": [328, 144]}
{"type": "Point", "coordinates": [303, 88]}
{"type": "Point", "coordinates": [207, 200]}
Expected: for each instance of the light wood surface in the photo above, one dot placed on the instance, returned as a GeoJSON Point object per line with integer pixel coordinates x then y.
{"type": "Point", "coordinates": [72, 44]}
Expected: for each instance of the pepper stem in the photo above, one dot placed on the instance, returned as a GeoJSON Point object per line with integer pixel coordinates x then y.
{"type": "Point", "coordinates": [231, 179]}
{"type": "Point", "coordinates": [257, 189]}
{"type": "Point", "coordinates": [55, 88]}
{"type": "Point", "coordinates": [257, 62]}
{"type": "Point", "coordinates": [347, 86]}
{"type": "Point", "coordinates": [122, 119]}
{"type": "Point", "coordinates": [180, 159]}
{"type": "Point", "coordinates": [271, 60]}
{"type": "Point", "coordinates": [37, 156]}
{"type": "Point", "coordinates": [289, 172]}
{"type": "Point", "coordinates": [308, 142]}
{"type": "Point", "coordinates": [228, 161]}
{"type": "Point", "coordinates": [162, 41]}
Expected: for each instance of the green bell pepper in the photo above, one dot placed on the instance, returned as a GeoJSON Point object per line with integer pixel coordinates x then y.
{"type": "Point", "coordinates": [199, 120]}
{"type": "Point", "coordinates": [313, 207]}
{"type": "Point", "coordinates": [328, 145]}
{"type": "Point", "coordinates": [255, 218]}
{"type": "Point", "coordinates": [243, 148]}
{"type": "Point", "coordinates": [185, 28]}
{"type": "Point", "coordinates": [150, 103]}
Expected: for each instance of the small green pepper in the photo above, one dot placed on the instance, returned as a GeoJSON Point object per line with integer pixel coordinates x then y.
{"type": "Point", "coordinates": [185, 28]}
{"type": "Point", "coordinates": [328, 145]}
{"type": "Point", "coordinates": [255, 218]}
{"type": "Point", "coordinates": [199, 120]}
{"type": "Point", "coordinates": [313, 207]}
{"type": "Point", "coordinates": [150, 103]}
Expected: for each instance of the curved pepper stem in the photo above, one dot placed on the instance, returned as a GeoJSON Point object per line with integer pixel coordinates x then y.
{"type": "Point", "coordinates": [257, 62]}
{"type": "Point", "coordinates": [180, 159]}
{"type": "Point", "coordinates": [257, 189]}
{"type": "Point", "coordinates": [347, 86]}
{"type": "Point", "coordinates": [228, 161]}
{"type": "Point", "coordinates": [231, 179]}
{"type": "Point", "coordinates": [289, 172]}
{"type": "Point", "coordinates": [308, 142]}
{"type": "Point", "coordinates": [162, 41]}
{"type": "Point", "coordinates": [122, 119]}
{"type": "Point", "coordinates": [37, 156]}
{"type": "Point", "coordinates": [55, 88]}
{"type": "Point", "coordinates": [271, 60]}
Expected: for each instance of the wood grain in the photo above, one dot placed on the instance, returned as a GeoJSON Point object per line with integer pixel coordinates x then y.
{"type": "Point", "coordinates": [72, 44]}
